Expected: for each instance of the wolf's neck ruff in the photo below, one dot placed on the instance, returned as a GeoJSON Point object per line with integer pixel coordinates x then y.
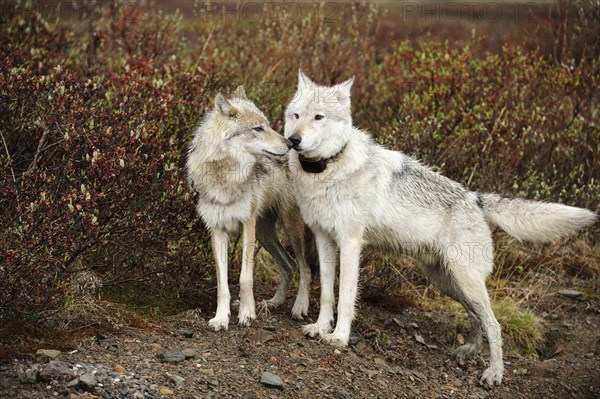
{"type": "Point", "coordinates": [317, 165]}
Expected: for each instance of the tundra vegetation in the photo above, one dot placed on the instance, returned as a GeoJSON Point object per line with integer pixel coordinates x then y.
{"type": "Point", "coordinates": [98, 103]}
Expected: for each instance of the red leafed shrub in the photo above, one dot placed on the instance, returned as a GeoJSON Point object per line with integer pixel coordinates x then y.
{"type": "Point", "coordinates": [95, 116]}
{"type": "Point", "coordinates": [91, 170]}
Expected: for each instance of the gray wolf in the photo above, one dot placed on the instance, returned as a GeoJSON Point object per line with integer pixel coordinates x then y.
{"type": "Point", "coordinates": [352, 192]}
{"type": "Point", "coordinates": [237, 165]}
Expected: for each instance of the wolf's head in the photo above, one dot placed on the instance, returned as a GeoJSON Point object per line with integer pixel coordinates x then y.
{"type": "Point", "coordinates": [241, 126]}
{"type": "Point", "coordinates": [318, 119]}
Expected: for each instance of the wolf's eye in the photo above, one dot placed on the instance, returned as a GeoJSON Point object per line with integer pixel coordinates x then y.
{"type": "Point", "coordinates": [296, 116]}
{"type": "Point", "coordinates": [319, 117]}
{"type": "Point", "coordinates": [258, 128]}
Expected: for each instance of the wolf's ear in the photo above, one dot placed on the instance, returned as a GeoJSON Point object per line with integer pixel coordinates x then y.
{"type": "Point", "coordinates": [224, 106]}
{"type": "Point", "coordinates": [240, 93]}
{"type": "Point", "coordinates": [303, 80]}
{"type": "Point", "coordinates": [342, 91]}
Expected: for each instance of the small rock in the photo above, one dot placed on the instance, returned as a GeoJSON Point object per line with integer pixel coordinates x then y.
{"type": "Point", "coordinates": [87, 381]}
{"type": "Point", "coordinates": [51, 353]}
{"type": "Point", "coordinates": [354, 338]}
{"type": "Point", "coordinates": [398, 322]}
{"type": "Point", "coordinates": [188, 353]}
{"type": "Point", "coordinates": [213, 383]}
{"type": "Point", "coordinates": [73, 383]}
{"type": "Point", "coordinates": [271, 380]}
{"type": "Point", "coordinates": [420, 339]}
{"type": "Point", "coordinates": [30, 376]}
{"type": "Point", "coordinates": [177, 380]}
{"type": "Point", "coordinates": [138, 395]}
{"type": "Point", "coordinates": [572, 294]}
{"type": "Point", "coordinates": [457, 383]}
{"type": "Point", "coordinates": [360, 347]}
{"type": "Point", "coordinates": [460, 339]}
{"type": "Point", "coordinates": [118, 368]}
{"type": "Point", "coordinates": [165, 391]}
{"type": "Point", "coordinates": [171, 357]}
{"type": "Point", "coordinates": [56, 368]}
{"type": "Point", "coordinates": [419, 375]}
{"type": "Point", "coordinates": [186, 333]}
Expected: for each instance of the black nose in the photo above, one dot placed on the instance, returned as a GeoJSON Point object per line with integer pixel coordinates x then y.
{"type": "Point", "coordinates": [295, 139]}
{"type": "Point", "coordinates": [289, 144]}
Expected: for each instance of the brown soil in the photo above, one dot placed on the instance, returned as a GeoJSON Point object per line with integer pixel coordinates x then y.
{"type": "Point", "coordinates": [384, 360]}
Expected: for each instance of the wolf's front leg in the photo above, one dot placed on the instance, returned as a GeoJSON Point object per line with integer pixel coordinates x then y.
{"type": "Point", "coordinates": [350, 248]}
{"type": "Point", "coordinates": [327, 250]}
{"type": "Point", "coordinates": [219, 244]}
{"type": "Point", "coordinates": [247, 306]}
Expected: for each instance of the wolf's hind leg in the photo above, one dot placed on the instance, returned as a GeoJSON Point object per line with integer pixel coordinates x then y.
{"type": "Point", "coordinates": [465, 283]}
{"type": "Point", "coordinates": [266, 233]}
{"type": "Point", "coordinates": [294, 226]}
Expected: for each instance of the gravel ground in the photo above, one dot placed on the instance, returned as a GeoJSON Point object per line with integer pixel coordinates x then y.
{"type": "Point", "coordinates": [392, 355]}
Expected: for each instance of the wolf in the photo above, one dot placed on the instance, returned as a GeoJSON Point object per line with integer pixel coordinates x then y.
{"type": "Point", "coordinates": [353, 192]}
{"type": "Point", "coordinates": [237, 165]}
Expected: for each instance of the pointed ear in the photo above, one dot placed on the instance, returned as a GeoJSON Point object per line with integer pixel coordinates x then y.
{"type": "Point", "coordinates": [224, 106]}
{"type": "Point", "coordinates": [240, 93]}
{"type": "Point", "coordinates": [303, 80]}
{"type": "Point", "coordinates": [342, 91]}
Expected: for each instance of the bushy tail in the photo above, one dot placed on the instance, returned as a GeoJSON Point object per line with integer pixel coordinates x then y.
{"type": "Point", "coordinates": [534, 220]}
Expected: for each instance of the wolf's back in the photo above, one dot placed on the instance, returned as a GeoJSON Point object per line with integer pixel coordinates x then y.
{"type": "Point", "coordinates": [534, 220]}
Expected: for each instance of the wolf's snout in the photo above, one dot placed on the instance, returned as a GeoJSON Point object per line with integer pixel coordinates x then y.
{"type": "Point", "coordinates": [295, 139]}
{"type": "Point", "coordinates": [289, 144]}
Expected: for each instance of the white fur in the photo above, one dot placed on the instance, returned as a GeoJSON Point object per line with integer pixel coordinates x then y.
{"type": "Point", "coordinates": [370, 195]}
{"type": "Point", "coordinates": [243, 184]}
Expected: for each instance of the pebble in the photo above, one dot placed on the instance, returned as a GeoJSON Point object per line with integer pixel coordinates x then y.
{"type": "Point", "coordinates": [87, 381]}
{"type": "Point", "coordinates": [118, 368]}
{"type": "Point", "coordinates": [419, 375]}
{"type": "Point", "coordinates": [457, 383]}
{"type": "Point", "coordinates": [31, 375]}
{"type": "Point", "coordinates": [166, 391]}
{"type": "Point", "coordinates": [420, 339]}
{"type": "Point", "coordinates": [186, 333]}
{"type": "Point", "coordinates": [73, 383]}
{"type": "Point", "coordinates": [271, 380]}
{"type": "Point", "coordinates": [177, 380]}
{"type": "Point", "coordinates": [56, 368]}
{"type": "Point", "coordinates": [170, 357]}
{"type": "Point", "coordinates": [188, 353]}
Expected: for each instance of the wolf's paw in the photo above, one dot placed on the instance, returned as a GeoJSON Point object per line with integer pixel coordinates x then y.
{"type": "Point", "coordinates": [492, 376]}
{"type": "Point", "coordinates": [312, 330]}
{"type": "Point", "coordinates": [300, 309]}
{"type": "Point", "coordinates": [465, 352]}
{"type": "Point", "coordinates": [245, 316]}
{"type": "Point", "coordinates": [336, 339]}
{"type": "Point", "coordinates": [275, 301]}
{"type": "Point", "coordinates": [219, 323]}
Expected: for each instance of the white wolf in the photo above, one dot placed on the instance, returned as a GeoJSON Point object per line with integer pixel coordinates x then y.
{"type": "Point", "coordinates": [353, 192]}
{"type": "Point", "coordinates": [237, 164]}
